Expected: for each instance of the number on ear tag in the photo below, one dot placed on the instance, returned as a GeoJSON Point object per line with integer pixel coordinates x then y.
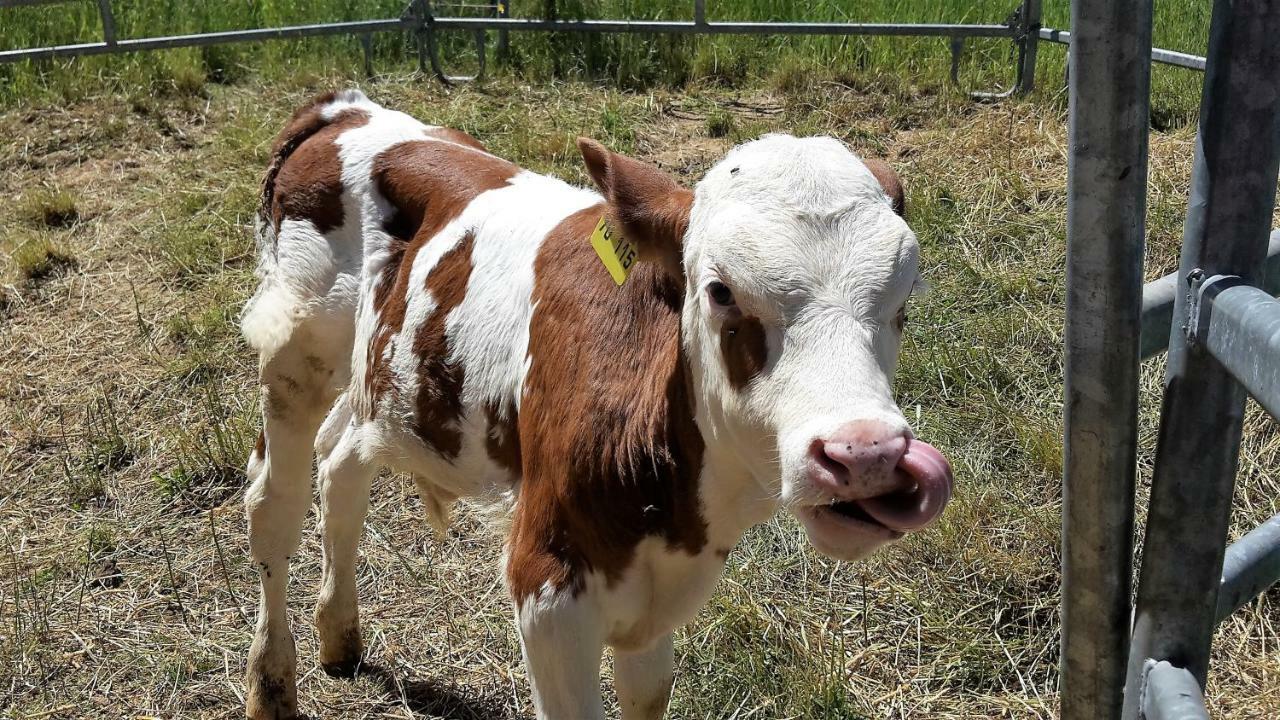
{"type": "Point", "coordinates": [615, 251]}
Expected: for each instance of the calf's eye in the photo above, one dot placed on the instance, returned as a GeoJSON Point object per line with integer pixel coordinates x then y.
{"type": "Point", "coordinates": [720, 294]}
{"type": "Point", "coordinates": [900, 320]}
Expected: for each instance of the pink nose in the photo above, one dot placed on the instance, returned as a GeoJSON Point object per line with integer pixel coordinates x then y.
{"type": "Point", "coordinates": [900, 482]}
{"type": "Point", "coordinates": [858, 459]}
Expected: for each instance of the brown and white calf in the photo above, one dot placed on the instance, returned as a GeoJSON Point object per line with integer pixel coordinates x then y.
{"type": "Point", "coordinates": [429, 307]}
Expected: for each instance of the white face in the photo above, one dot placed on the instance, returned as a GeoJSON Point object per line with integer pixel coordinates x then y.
{"type": "Point", "coordinates": [799, 272]}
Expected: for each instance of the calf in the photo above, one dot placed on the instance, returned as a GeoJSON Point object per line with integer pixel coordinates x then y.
{"type": "Point", "coordinates": [637, 376]}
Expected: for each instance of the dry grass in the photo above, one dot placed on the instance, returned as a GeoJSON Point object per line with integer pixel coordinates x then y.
{"type": "Point", "coordinates": [127, 406]}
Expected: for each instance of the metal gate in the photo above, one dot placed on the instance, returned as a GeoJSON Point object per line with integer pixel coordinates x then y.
{"type": "Point", "coordinates": [424, 19]}
{"type": "Point", "coordinates": [1222, 331]}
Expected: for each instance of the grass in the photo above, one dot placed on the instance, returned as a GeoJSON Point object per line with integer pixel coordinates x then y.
{"type": "Point", "coordinates": [53, 208]}
{"type": "Point", "coordinates": [960, 621]}
{"type": "Point", "coordinates": [128, 403]}
{"type": "Point", "coordinates": [40, 258]}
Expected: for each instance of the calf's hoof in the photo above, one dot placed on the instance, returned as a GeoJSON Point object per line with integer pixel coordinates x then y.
{"type": "Point", "coordinates": [271, 698]}
{"type": "Point", "coordinates": [271, 690]}
{"type": "Point", "coordinates": [340, 656]}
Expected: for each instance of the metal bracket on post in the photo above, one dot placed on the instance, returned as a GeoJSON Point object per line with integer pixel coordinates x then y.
{"type": "Point", "coordinates": [1019, 22]}
{"type": "Point", "coordinates": [1199, 301]}
{"type": "Point", "coordinates": [429, 50]}
{"type": "Point", "coordinates": [1170, 693]}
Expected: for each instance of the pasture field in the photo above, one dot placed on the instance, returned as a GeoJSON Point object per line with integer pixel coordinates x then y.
{"type": "Point", "coordinates": [128, 401]}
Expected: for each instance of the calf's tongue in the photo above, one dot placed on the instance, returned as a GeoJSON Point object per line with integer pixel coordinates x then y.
{"type": "Point", "coordinates": [914, 509]}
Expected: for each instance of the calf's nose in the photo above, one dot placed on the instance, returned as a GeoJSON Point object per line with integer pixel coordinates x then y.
{"type": "Point", "coordinates": [859, 458]}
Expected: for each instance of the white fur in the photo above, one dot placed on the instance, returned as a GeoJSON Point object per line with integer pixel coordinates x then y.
{"type": "Point", "coordinates": [806, 238]}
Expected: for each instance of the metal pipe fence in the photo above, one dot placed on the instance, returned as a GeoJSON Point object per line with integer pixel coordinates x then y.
{"type": "Point", "coordinates": [1233, 190]}
{"type": "Point", "coordinates": [419, 18]}
{"type": "Point", "coordinates": [1222, 329]}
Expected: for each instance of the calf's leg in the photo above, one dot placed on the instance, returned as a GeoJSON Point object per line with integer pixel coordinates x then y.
{"type": "Point", "coordinates": [296, 391]}
{"type": "Point", "coordinates": [562, 641]}
{"type": "Point", "coordinates": [643, 680]}
{"type": "Point", "coordinates": [344, 502]}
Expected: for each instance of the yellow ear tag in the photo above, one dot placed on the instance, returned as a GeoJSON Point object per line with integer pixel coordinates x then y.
{"type": "Point", "coordinates": [615, 251]}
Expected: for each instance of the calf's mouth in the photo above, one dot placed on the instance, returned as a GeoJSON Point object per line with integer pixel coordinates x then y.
{"type": "Point", "coordinates": [848, 528]}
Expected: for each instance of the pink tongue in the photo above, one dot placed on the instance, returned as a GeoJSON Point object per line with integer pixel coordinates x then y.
{"type": "Point", "coordinates": [912, 510]}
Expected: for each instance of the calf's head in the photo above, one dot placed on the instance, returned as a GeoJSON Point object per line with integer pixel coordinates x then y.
{"type": "Point", "coordinates": [797, 265]}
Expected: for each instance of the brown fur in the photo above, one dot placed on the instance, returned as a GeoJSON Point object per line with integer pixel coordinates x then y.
{"type": "Point", "coordinates": [439, 403]}
{"type": "Point", "coordinates": [456, 136]}
{"type": "Point", "coordinates": [429, 183]}
{"type": "Point", "coordinates": [611, 453]}
{"type": "Point", "coordinates": [304, 181]}
{"type": "Point", "coordinates": [502, 443]}
{"type": "Point", "coordinates": [891, 183]}
{"type": "Point", "coordinates": [742, 345]}
{"type": "Point", "coordinates": [643, 203]}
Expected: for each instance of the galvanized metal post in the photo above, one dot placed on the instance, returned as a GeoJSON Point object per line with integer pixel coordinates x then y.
{"type": "Point", "coordinates": [1030, 40]}
{"type": "Point", "coordinates": [1233, 188]}
{"type": "Point", "coordinates": [1106, 212]}
{"type": "Point", "coordinates": [366, 45]}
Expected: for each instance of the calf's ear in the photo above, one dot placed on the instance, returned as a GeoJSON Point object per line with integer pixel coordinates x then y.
{"type": "Point", "coordinates": [891, 183]}
{"type": "Point", "coordinates": [647, 205]}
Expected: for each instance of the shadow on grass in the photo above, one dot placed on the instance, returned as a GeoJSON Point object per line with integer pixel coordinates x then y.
{"type": "Point", "coordinates": [434, 698]}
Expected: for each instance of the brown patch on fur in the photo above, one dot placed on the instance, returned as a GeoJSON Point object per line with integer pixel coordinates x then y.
{"type": "Point", "coordinates": [440, 380]}
{"type": "Point", "coordinates": [456, 136]}
{"type": "Point", "coordinates": [429, 183]}
{"type": "Point", "coordinates": [502, 439]}
{"type": "Point", "coordinates": [260, 447]}
{"type": "Point", "coordinates": [743, 347]}
{"type": "Point", "coordinates": [611, 453]}
{"type": "Point", "coordinates": [304, 180]}
{"type": "Point", "coordinates": [891, 183]}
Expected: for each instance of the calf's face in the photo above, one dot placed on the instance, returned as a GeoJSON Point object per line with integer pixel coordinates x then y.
{"type": "Point", "coordinates": [797, 268]}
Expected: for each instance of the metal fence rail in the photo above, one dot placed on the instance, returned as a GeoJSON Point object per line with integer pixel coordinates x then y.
{"type": "Point", "coordinates": [1160, 55]}
{"type": "Point", "coordinates": [1022, 27]}
{"type": "Point", "coordinates": [1233, 190]}
{"type": "Point", "coordinates": [1250, 566]}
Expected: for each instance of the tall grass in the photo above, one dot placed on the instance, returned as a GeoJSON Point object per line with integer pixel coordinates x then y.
{"type": "Point", "coordinates": [631, 61]}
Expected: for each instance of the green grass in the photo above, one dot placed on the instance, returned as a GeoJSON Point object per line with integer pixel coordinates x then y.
{"type": "Point", "coordinates": [37, 259]}
{"type": "Point", "coordinates": [630, 61]}
{"type": "Point", "coordinates": [49, 207]}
